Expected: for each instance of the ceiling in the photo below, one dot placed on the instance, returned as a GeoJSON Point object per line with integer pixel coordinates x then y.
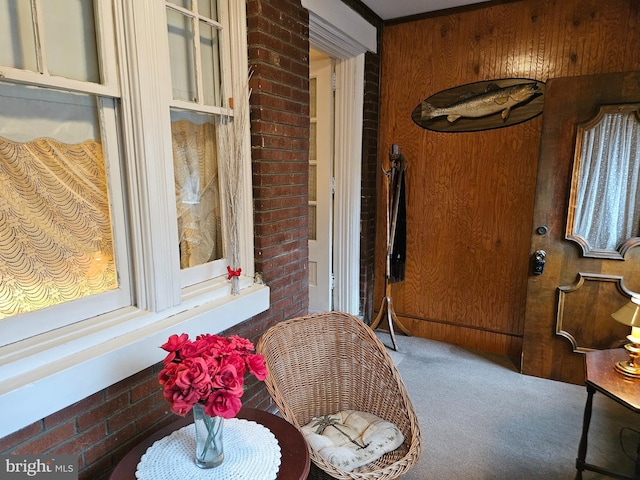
{"type": "Point", "coordinates": [390, 9]}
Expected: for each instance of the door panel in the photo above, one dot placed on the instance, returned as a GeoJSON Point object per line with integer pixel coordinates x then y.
{"type": "Point", "coordinates": [320, 173]}
{"type": "Point", "coordinates": [569, 306]}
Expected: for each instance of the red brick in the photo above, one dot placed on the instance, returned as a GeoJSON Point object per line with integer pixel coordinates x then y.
{"type": "Point", "coordinates": [100, 413]}
{"type": "Point", "coordinates": [22, 435]}
{"type": "Point", "coordinates": [148, 387]}
{"type": "Point", "coordinates": [48, 440]}
{"type": "Point", "coordinates": [97, 471]}
{"type": "Point", "coordinates": [73, 410]}
{"type": "Point", "coordinates": [110, 443]}
{"type": "Point", "coordinates": [129, 382]}
{"type": "Point", "coordinates": [154, 415]}
{"type": "Point", "coordinates": [119, 420]}
{"type": "Point", "coordinates": [81, 441]}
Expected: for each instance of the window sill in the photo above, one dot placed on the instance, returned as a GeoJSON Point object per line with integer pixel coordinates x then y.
{"type": "Point", "coordinates": [74, 362]}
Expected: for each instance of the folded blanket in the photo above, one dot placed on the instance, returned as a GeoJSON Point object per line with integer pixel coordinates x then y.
{"type": "Point", "coordinates": [351, 439]}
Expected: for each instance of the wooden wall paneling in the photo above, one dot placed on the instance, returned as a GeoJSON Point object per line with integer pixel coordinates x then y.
{"type": "Point", "coordinates": [470, 195]}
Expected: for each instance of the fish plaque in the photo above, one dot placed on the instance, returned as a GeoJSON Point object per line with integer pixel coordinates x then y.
{"type": "Point", "coordinates": [481, 105]}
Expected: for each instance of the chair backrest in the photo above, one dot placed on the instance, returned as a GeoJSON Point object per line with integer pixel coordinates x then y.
{"type": "Point", "coordinates": [324, 363]}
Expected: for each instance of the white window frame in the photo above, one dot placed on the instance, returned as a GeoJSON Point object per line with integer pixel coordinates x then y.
{"type": "Point", "coordinates": [50, 371]}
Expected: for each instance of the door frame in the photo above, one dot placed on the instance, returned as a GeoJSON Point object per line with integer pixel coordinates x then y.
{"type": "Point", "coordinates": [329, 20]}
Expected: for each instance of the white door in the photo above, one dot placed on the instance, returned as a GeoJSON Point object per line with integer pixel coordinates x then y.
{"type": "Point", "coordinates": [320, 184]}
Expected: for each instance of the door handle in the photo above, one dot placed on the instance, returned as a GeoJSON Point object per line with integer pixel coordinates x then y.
{"type": "Point", "coordinates": [539, 259]}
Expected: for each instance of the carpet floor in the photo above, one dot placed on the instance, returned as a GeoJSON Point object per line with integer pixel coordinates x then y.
{"type": "Point", "coordinates": [482, 420]}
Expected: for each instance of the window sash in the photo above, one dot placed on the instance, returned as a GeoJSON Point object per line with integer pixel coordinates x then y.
{"type": "Point", "coordinates": [25, 325]}
{"type": "Point", "coordinates": [196, 18]}
{"type": "Point", "coordinates": [194, 275]}
{"type": "Point", "coordinates": [106, 45]}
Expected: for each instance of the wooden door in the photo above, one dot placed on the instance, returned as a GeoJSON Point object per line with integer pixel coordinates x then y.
{"type": "Point", "coordinates": [569, 306]}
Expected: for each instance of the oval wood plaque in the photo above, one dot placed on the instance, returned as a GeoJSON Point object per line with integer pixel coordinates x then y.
{"type": "Point", "coordinates": [481, 105]}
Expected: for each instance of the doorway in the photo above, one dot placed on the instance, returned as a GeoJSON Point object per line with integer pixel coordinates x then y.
{"type": "Point", "coordinates": [329, 22]}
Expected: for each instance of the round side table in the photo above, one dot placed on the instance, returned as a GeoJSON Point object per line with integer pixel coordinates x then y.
{"type": "Point", "coordinates": [294, 462]}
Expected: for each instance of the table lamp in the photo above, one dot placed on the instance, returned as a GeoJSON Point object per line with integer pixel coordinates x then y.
{"type": "Point", "coordinates": [629, 314]}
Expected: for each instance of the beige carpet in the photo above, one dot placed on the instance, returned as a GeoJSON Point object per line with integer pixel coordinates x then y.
{"type": "Point", "coordinates": [481, 419]}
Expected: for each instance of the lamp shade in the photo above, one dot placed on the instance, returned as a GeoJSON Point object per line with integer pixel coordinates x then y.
{"type": "Point", "coordinates": [629, 314]}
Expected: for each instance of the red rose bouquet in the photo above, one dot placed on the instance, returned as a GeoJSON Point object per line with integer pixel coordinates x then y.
{"type": "Point", "coordinates": [210, 371]}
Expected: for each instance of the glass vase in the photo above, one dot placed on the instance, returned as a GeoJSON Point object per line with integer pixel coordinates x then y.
{"type": "Point", "coordinates": [209, 452]}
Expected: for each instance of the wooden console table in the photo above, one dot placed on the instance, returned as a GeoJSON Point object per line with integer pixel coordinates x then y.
{"type": "Point", "coordinates": [294, 461]}
{"type": "Point", "coordinates": [602, 377]}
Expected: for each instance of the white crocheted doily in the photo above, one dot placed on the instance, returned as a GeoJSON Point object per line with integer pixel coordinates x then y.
{"type": "Point", "coordinates": [251, 451]}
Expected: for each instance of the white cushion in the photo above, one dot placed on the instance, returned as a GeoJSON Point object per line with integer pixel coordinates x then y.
{"type": "Point", "coordinates": [376, 435]}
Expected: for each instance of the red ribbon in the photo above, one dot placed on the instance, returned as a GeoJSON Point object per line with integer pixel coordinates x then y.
{"type": "Point", "coordinates": [233, 273]}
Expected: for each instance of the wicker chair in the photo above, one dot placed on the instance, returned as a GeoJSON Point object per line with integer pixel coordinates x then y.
{"type": "Point", "coordinates": [324, 363]}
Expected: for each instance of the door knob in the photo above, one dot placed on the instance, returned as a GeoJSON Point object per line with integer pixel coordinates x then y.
{"type": "Point", "coordinates": [539, 259]}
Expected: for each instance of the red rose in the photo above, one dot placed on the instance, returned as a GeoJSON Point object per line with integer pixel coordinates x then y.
{"type": "Point", "coordinates": [192, 349]}
{"type": "Point", "coordinates": [237, 361]}
{"type": "Point", "coordinates": [241, 344]}
{"type": "Point", "coordinates": [209, 370]}
{"type": "Point", "coordinates": [181, 404]}
{"type": "Point", "coordinates": [167, 374]}
{"type": "Point", "coordinates": [192, 373]}
{"type": "Point", "coordinates": [175, 342]}
{"type": "Point", "coordinates": [257, 366]}
{"type": "Point", "coordinates": [228, 379]}
{"type": "Point", "coordinates": [216, 345]}
{"type": "Point", "coordinates": [222, 403]}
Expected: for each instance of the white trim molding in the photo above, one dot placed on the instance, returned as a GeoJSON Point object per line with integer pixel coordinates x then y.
{"type": "Point", "coordinates": [338, 30]}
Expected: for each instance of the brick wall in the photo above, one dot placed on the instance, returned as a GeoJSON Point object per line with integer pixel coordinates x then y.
{"type": "Point", "coordinates": [102, 428]}
{"type": "Point", "coordinates": [279, 56]}
{"type": "Point", "coordinates": [370, 170]}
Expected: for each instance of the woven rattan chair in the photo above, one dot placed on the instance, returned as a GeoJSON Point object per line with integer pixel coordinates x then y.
{"type": "Point", "coordinates": [324, 363]}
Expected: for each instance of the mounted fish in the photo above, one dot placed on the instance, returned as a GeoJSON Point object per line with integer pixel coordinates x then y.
{"type": "Point", "coordinates": [476, 106]}
{"type": "Point", "coordinates": [494, 100]}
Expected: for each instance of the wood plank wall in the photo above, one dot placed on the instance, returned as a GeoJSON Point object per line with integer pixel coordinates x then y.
{"type": "Point", "coordinates": [470, 196]}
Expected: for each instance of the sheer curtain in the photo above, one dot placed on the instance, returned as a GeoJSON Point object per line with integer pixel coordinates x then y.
{"type": "Point", "coordinates": [56, 240]}
{"type": "Point", "coordinates": [197, 192]}
{"type": "Point", "coordinates": [608, 206]}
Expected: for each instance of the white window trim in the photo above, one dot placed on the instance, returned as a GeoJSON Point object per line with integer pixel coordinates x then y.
{"type": "Point", "coordinates": [48, 372]}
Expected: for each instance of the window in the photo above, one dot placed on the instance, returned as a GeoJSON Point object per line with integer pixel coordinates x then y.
{"type": "Point", "coordinates": [198, 120]}
{"type": "Point", "coordinates": [116, 228]}
{"type": "Point", "coordinates": [62, 223]}
{"type": "Point", "coordinates": [604, 208]}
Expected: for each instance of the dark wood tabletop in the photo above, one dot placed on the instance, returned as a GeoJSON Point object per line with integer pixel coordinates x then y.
{"type": "Point", "coordinates": [294, 461]}
{"type": "Point", "coordinates": [601, 374]}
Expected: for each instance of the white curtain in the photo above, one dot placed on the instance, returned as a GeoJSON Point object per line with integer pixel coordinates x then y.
{"type": "Point", "coordinates": [608, 204]}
